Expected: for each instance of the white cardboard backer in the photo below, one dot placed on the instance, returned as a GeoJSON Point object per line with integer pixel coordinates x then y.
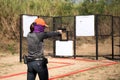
{"type": "Point", "coordinates": [27, 21]}
{"type": "Point", "coordinates": [85, 25]}
{"type": "Point", "coordinates": [64, 48]}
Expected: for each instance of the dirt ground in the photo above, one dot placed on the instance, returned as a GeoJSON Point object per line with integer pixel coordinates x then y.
{"type": "Point", "coordinates": [62, 69]}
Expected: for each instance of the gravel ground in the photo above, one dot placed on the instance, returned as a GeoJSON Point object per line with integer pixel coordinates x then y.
{"type": "Point", "coordinates": [63, 69]}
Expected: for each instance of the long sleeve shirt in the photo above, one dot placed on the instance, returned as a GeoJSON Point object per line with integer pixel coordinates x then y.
{"type": "Point", "coordinates": [35, 43]}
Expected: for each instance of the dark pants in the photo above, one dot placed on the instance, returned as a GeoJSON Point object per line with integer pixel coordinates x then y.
{"type": "Point", "coordinates": [35, 67]}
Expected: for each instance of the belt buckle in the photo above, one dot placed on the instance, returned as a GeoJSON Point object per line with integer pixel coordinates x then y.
{"type": "Point", "coordinates": [39, 59]}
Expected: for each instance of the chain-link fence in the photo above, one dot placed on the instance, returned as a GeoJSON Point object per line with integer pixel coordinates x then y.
{"type": "Point", "coordinates": [116, 36]}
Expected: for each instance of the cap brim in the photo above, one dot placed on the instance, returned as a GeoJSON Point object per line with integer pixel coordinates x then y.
{"type": "Point", "coordinates": [46, 26]}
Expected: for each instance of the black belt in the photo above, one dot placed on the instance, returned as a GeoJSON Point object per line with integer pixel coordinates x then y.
{"type": "Point", "coordinates": [36, 59]}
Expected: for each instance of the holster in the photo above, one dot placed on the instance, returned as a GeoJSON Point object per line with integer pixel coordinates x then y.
{"type": "Point", "coordinates": [25, 59]}
{"type": "Point", "coordinates": [45, 60]}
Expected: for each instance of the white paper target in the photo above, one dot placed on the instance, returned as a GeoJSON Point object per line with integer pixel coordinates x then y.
{"type": "Point", "coordinates": [27, 21]}
{"type": "Point", "coordinates": [85, 25]}
{"type": "Point", "coordinates": [64, 48]}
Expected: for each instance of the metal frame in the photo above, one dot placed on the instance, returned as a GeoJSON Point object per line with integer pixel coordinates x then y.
{"type": "Point", "coordinates": [97, 35]}
{"type": "Point", "coordinates": [54, 28]}
{"type": "Point", "coordinates": [74, 41]}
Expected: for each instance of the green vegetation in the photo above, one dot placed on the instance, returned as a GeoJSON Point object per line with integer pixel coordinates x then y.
{"type": "Point", "coordinates": [10, 11]}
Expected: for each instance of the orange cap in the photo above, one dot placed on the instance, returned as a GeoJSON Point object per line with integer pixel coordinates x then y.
{"type": "Point", "coordinates": [41, 22]}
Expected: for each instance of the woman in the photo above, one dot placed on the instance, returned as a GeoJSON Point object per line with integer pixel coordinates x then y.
{"type": "Point", "coordinates": [37, 63]}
